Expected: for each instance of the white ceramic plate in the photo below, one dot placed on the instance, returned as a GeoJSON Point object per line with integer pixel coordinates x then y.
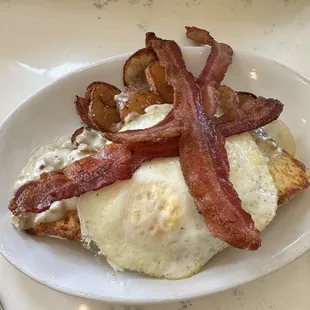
{"type": "Point", "coordinates": [67, 267]}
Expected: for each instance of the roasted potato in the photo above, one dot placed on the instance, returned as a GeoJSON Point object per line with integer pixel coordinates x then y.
{"type": "Point", "coordinates": [82, 106]}
{"type": "Point", "coordinates": [99, 99]}
{"type": "Point", "coordinates": [136, 100]}
{"type": "Point", "coordinates": [155, 75]}
{"type": "Point", "coordinates": [102, 112]}
{"type": "Point", "coordinates": [134, 68]}
{"type": "Point", "coordinates": [106, 93]}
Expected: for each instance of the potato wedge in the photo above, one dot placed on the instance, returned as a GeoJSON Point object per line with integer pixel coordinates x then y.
{"type": "Point", "coordinates": [102, 93]}
{"type": "Point", "coordinates": [155, 75]}
{"type": "Point", "coordinates": [104, 117]}
{"type": "Point", "coordinates": [90, 89]}
{"type": "Point", "coordinates": [134, 68]}
{"type": "Point", "coordinates": [136, 100]}
{"type": "Point", "coordinates": [82, 106]}
{"type": "Point", "coordinates": [106, 93]}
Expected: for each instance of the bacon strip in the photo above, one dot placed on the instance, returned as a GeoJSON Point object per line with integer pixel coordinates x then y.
{"type": "Point", "coordinates": [260, 112]}
{"type": "Point", "coordinates": [115, 162]}
{"type": "Point", "coordinates": [219, 59]}
{"type": "Point", "coordinates": [168, 128]}
{"type": "Point", "coordinates": [203, 156]}
{"type": "Point", "coordinates": [250, 116]}
{"type": "Point", "coordinates": [215, 68]}
{"type": "Point", "coordinates": [149, 36]}
{"type": "Point", "coordinates": [210, 98]}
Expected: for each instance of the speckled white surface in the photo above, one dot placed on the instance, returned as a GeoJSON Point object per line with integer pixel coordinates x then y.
{"type": "Point", "coordinates": [43, 39]}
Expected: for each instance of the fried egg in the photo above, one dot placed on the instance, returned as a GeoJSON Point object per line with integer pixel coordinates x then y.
{"type": "Point", "coordinates": [150, 223]}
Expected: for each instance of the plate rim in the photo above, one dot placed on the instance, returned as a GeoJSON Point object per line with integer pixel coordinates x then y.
{"type": "Point", "coordinates": [145, 300]}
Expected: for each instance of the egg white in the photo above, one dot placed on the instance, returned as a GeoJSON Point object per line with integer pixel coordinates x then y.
{"type": "Point", "coordinates": [150, 223]}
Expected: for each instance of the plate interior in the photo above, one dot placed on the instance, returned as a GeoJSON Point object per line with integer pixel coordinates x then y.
{"type": "Point", "coordinates": [67, 267]}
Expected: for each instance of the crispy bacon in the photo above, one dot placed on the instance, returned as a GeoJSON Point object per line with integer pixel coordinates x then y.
{"type": "Point", "coordinates": [115, 162]}
{"type": "Point", "coordinates": [149, 36]}
{"type": "Point", "coordinates": [244, 97]}
{"type": "Point", "coordinates": [168, 128]}
{"type": "Point", "coordinates": [219, 59]}
{"type": "Point", "coordinates": [215, 68]}
{"type": "Point", "coordinates": [236, 120]}
{"type": "Point", "coordinates": [210, 99]}
{"type": "Point", "coordinates": [203, 156]}
{"type": "Point", "coordinates": [168, 148]}
{"type": "Point", "coordinates": [250, 116]}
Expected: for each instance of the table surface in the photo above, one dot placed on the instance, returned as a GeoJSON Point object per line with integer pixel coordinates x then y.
{"type": "Point", "coordinates": [41, 40]}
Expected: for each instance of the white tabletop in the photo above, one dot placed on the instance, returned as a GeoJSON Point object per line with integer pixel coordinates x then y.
{"type": "Point", "coordinates": [41, 40]}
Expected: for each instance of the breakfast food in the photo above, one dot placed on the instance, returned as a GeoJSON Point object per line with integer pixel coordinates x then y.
{"type": "Point", "coordinates": [160, 188]}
